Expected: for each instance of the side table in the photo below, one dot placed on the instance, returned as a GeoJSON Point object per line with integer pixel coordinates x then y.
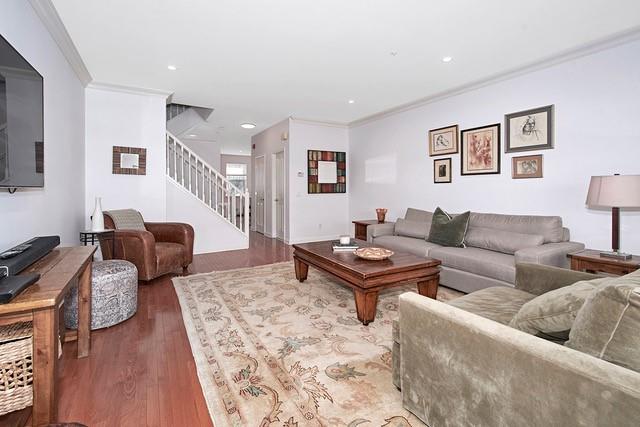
{"type": "Point", "coordinates": [589, 260]}
{"type": "Point", "coordinates": [93, 237]}
{"type": "Point", "coordinates": [361, 227]}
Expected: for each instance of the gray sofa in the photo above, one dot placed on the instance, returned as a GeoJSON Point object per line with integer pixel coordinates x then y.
{"type": "Point", "coordinates": [458, 364]}
{"type": "Point", "coordinates": [495, 243]}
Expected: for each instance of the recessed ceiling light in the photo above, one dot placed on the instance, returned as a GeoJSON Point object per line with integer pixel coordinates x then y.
{"type": "Point", "coordinates": [192, 135]}
{"type": "Point", "coordinates": [172, 67]}
{"type": "Point", "coordinates": [241, 151]}
{"type": "Point", "coordinates": [351, 101]}
{"type": "Point", "coordinates": [247, 125]}
{"type": "Point", "coordinates": [447, 59]}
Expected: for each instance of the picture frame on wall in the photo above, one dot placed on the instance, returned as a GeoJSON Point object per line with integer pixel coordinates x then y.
{"type": "Point", "coordinates": [529, 129]}
{"type": "Point", "coordinates": [442, 171]}
{"type": "Point", "coordinates": [526, 167]}
{"type": "Point", "coordinates": [326, 172]}
{"type": "Point", "coordinates": [443, 141]}
{"type": "Point", "coordinates": [480, 150]}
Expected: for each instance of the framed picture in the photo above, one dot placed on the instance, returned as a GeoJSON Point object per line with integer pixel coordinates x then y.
{"type": "Point", "coordinates": [129, 161]}
{"type": "Point", "coordinates": [443, 141]}
{"type": "Point", "coordinates": [529, 130]}
{"type": "Point", "coordinates": [526, 167]}
{"type": "Point", "coordinates": [442, 170]}
{"type": "Point", "coordinates": [480, 150]}
{"type": "Point", "coordinates": [327, 172]}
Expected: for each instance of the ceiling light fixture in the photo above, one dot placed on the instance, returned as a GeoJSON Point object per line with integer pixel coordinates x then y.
{"type": "Point", "coordinates": [172, 67]}
{"type": "Point", "coordinates": [247, 125]}
{"type": "Point", "coordinates": [192, 135]}
{"type": "Point", "coordinates": [447, 59]}
{"type": "Point", "coordinates": [351, 101]}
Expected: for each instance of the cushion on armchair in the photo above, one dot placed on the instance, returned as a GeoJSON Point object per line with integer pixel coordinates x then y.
{"type": "Point", "coordinates": [447, 230]}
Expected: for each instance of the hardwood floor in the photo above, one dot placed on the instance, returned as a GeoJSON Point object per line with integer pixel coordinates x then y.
{"type": "Point", "coordinates": [141, 372]}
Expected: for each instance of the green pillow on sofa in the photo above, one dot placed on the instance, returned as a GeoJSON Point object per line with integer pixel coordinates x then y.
{"type": "Point", "coordinates": [608, 325]}
{"type": "Point", "coordinates": [551, 315]}
{"type": "Point", "coordinates": [447, 230]}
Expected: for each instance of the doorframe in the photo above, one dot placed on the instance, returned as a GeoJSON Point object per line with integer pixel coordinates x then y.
{"type": "Point", "coordinates": [264, 193]}
{"type": "Point", "coordinates": [274, 219]}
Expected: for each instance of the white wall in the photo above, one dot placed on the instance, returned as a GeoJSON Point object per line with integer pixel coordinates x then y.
{"type": "Point", "coordinates": [131, 120]}
{"type": "Point", "coordinates": [207, 150]}
{"type": "Point", "coordinates": [596, 129]}
{"type": "Point", "coordinates": [315, 216]}
{"type": "Point", "coordinates": [56, 209]}
{"type": "Point", "coordinates": [267, 143]}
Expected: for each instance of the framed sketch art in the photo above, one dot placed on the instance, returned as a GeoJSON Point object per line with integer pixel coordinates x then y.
{"type": "Point", "coordinates": [526, 167]}
{"type": "Point", "coordinates": [529, 130]}
{"type": "Point", "coordinates": [480, 150]}
{"type": "Point", "coordinates": [443, 141]}
{"type": "Point", "coordinates": [442, 170]}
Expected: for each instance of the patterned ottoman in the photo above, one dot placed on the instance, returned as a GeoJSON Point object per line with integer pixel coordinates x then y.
{"type": "Point", "coordinates": [114, 295]}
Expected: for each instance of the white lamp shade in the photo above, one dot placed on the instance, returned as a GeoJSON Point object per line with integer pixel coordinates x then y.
{"type": "Point", "coordinates": [619, 191]}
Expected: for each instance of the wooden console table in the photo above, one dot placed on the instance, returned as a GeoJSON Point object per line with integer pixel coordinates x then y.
{"type": "Point", "coordinates": [59, 270]}
{"type": "Point", "coordinates": [589, 260]}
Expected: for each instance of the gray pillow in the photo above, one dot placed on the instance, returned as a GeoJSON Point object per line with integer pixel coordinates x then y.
{"type": "Point", "coordinates": [448, 231]}
{"type": "Point", "coordinates": [608, 325]}
{"type": "Point", "coordinates": [408, 228]}
{"type": "Point", "coordinates": [507, 242]}
{"type": "Point", "coordinates": [551, 315]}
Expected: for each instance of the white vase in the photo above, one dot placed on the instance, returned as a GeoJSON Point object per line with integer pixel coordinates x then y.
{"type": "Point", "coordinates": [97, 220]}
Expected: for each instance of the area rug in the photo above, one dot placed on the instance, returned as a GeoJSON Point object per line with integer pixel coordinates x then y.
{"type": "Point", "coordinates": [271, 351]}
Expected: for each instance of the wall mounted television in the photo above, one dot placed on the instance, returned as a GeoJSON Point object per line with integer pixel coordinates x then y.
{"type": "Point", "coordinates": [21, 121]}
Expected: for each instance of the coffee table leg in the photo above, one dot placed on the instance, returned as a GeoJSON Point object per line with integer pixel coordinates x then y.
{"type": "Point", "coordinates": [429, 288]}
{"type": "Point", "coordinates": [302, 269]}
{"type": "Point", "coordinates": [366, 303]}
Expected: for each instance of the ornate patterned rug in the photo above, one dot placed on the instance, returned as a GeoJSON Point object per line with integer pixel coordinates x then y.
{"type": "Point", "coordinates": [271, 351]}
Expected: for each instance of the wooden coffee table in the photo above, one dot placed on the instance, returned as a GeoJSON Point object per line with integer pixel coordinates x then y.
{"type": "Point", "coordinates": [367, 278]}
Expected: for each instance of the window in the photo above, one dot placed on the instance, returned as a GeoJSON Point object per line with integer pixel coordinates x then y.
{"type": "Point", "coordinates": [237, 174]}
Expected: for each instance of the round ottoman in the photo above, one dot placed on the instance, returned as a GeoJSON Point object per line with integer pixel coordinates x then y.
{"type": "Point", "coordinates": [114, 295]}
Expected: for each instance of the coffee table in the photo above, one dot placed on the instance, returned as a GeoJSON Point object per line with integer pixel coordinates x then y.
{"type": "Point", "coordinates": [368, 278]}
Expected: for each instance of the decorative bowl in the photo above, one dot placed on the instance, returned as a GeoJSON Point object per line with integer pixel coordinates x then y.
{"type": "Point", "coordinates": [373, 254]}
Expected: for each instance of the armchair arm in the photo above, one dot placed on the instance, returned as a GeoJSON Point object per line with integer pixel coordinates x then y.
{"type": "Point", "coordinates": [549, 253]}
{"type": "Point", "coordinates": [173, 232]}
{"type": "Point", "coordinates": [538, 279]}
{"type": "Point", "coordinates": [377, 230]}
{"type": "Point", "coordinates": [508, 377]}
{"type": "Point", "coordinates": [138, 247]}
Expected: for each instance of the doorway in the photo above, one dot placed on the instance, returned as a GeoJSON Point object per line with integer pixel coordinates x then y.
{"type": "Point", "coordinates": [259, 193]}
{"type": "Point", "coordinates": [278, 195]}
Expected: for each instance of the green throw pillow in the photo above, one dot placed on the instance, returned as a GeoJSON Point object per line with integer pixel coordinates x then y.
{"type": "Point", "coordinates": [448, 231]}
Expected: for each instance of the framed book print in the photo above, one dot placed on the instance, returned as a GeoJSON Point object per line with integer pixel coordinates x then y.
{"type": "Point", "coordinates": [327, 171]}
{"type": "Point", "coordinates": [480, 150]}
{"type": "Point", "coordinates": [529, 130]}
{"type": "Point", "coordinates": [443, 141]}
{"type": "Point", "coordinates": [442, 170]}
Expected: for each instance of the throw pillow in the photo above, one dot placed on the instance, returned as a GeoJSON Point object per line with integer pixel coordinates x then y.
{"type": "Point", "coordinates": [552, 314]}
{"type": "Point", "coordinates": [506, 242]}
{"type": "Point", "coordinates": [447, 230]}
{"type": "Point", "coordinates": [408, 228]}
{"type": "Point", "coordinates": [607, 325]}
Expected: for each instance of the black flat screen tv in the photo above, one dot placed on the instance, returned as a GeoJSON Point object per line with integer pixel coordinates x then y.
{"type": "Point", "coordinates": [21, 121]}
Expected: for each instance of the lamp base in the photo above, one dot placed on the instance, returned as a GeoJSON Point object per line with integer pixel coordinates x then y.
{"type": "Point", "coordinates": [616, 255]}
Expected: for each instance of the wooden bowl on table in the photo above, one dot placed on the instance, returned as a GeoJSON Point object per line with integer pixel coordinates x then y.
{"type": "Point", "coordinates": [373, 254]}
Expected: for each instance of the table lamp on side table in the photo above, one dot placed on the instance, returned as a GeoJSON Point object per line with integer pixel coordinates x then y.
{"type": "Point", "coordinates": [615, 192]}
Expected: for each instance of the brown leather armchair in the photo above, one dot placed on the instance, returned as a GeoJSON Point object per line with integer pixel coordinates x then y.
{"type": "Point", "coordinates": [160, 249]}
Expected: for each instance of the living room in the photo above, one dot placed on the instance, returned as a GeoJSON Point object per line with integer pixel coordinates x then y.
{"type": "Point", "coordinates": [320, 214]}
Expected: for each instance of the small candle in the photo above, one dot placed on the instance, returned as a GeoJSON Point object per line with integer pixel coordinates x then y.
{"type": "Point", "coordinates": [345, 240]}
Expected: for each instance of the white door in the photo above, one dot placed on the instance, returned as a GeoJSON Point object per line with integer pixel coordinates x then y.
{"type": "Point", "coordinates": [279, 194]}
{"type": "Point", "coordinates": [259, 194]}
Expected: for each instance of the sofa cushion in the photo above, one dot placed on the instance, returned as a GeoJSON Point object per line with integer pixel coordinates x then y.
{"type": "Point", "coordinates": [447, 230]}
{"type": "Point", "coordinates": [483, 262]}
{"type": "Point", "coordinates": [507, 242]}
{"type": "Point", "coordinates": [608, 324]}
{"type": "Point", "coordinates": [552, 314]}
{"type": "Point", "coordinates": [550, 227]}
{"type": "Point", "coordinates": [418, 215]}
{"type": "Point", "coordinates": [498, 303]}
{"type": "Point", "coordinates": [409, 228]}
{"type": "Point", "coordinates": [406, 244]}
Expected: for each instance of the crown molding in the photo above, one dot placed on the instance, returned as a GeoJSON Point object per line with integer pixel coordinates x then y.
{"type": "Point", "coordinates": [129, 89]}
{"type": "Point", "coordinates": [565, 56]}
{"type": "Point", "coordinates": [51, 20]}
{"type": "Point", "coordinates": [320, 122]}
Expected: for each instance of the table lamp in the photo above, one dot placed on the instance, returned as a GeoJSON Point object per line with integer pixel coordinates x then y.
{"type": "Point", "coordinates": [615, 192]}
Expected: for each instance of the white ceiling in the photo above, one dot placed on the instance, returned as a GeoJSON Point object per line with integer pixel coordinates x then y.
{"type": "Point", "coordinates": [261, 61]}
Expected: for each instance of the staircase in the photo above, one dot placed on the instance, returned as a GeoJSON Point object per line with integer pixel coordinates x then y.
{"type": "Point", "coordinates": [187, 170]}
